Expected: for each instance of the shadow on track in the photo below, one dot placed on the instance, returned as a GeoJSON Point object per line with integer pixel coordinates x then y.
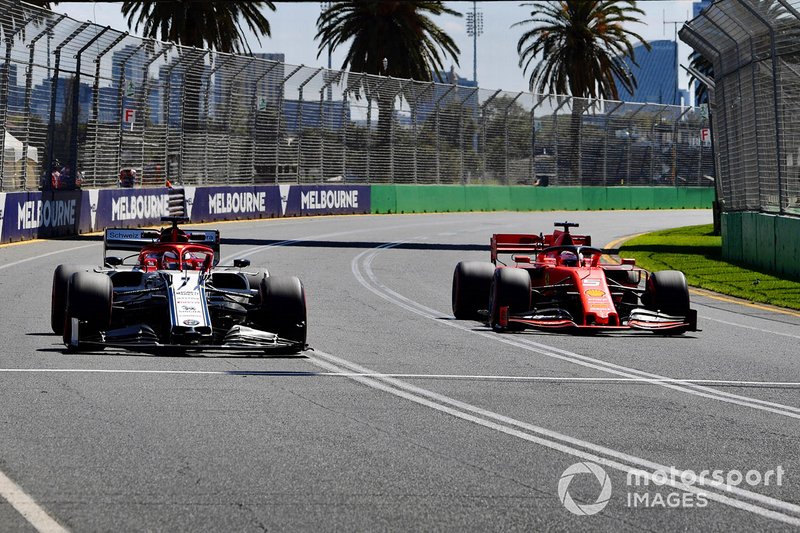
{"type": "Point", "coordinates": [359, 244]}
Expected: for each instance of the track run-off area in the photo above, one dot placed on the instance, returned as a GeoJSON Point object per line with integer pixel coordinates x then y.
{"type": "Point", "coordinates": [399, 417]}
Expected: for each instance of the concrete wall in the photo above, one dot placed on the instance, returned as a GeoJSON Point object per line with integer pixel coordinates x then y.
{"type": "Point", "coordinates": [445, 198]}
{"type": "Point", "coordinates": [766, 242]}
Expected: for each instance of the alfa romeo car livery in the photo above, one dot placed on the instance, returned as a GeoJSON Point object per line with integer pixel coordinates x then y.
{"type": "Point", "coordinates": [171, 296]}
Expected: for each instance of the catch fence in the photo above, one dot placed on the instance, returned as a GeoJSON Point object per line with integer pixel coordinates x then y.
{"type": "Point", "coordinates": [755, 50]}
{"type": "Point", "coordinates": [75, 95]}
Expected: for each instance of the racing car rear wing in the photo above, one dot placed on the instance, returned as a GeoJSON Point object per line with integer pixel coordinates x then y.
{"type": "Point", "coordinates": [512, 243]}
{"type": "Point", "coordinates": [136, 239]}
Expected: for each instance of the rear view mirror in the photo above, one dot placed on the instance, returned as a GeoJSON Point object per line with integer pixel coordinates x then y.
{"type": "Point", "coordinates": [241, 263]}
{"type": "Point", "coordinates": [522, 259]}
{"type": "Point", "coordinates": [113, 261]}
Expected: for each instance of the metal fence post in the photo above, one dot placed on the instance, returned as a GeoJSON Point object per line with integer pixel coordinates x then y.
{"type": "Point", "coordinates": [483, 133]}
{"type": "Point", "coordinates": [280, 117]}
{"type": "Point", "coordinates": [54, 92]}
{"type": "Point", "coordinates": [605, 142]}
{"type": "Point", "coordinates": [653, 143]}
{"type": "Point", "coordinates": [463, 176]}
{"type": "Point", "coordinates": [198, 59]}
{"type": "Point", "coordinates": [376, 89]}
{"type": "Point", "coordinates": [674, 159]}
{"type": "Point", "coordinates": [563, 101]}
{"type": "Point", "coordinates": [207, 104]}
{"type": "Point", "coordinates": [150, 45]}
{"type": "Point", "coordinates": [414, 120]}
{"type": "Point", "coordinates": [299, 117]}
{"type": "Point", "coordinates": [76, 99]}
{"type": "Point", "coordinates": [532, 162]}
{"type": "Point", "coordinates": [254, 109]}
{"type": "Point", "coordinates": [229, 116]}
{"type": "Point", "coordinates": [4, 92]}
{"type": "Point", "coordinates": [323, 131]}
{"type": "Point", "coordinates": [96, 102]}
{"type": "Point", "coordinates": [28, 97]}
{"type": "Point", "coordinates": [399, 92]}
{"type": "Point", "coordinates": [438, 143]}
{"type": "Point", "coordinates": [505, 122]}
{"type": "Point", "coordinates": [630, 137]}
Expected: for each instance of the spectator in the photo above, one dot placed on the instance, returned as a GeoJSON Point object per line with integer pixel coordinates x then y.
{"type": "Point", "coordinates": [127, 178]}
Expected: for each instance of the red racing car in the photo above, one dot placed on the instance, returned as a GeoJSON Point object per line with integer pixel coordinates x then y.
{"type": "Point", "coordinates": [558, 282]}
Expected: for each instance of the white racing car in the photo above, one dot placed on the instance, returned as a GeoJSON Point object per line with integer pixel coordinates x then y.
{"type": "Point", "coordinates": [170, 297]}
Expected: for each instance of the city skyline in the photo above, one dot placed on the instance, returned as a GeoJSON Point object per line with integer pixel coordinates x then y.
{"type": "Point", "coordinates": [497, 65]}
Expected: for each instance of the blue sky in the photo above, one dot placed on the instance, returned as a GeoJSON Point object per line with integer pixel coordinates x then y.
{"type": "Point", "coordinates": [294, 27]}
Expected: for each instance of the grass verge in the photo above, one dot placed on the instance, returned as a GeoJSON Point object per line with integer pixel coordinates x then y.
{"type": "Point", "coordinates": [698, 254]}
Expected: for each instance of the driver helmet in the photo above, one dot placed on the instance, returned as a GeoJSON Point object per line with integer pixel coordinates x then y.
{"type": "Point", "coordinates": [170, 261]}
{"type": "Point", "coordinates": [569, 258]}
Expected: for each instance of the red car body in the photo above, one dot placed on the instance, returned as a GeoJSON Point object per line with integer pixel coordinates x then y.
{"type": "Point", "coordinates": [558, 281]}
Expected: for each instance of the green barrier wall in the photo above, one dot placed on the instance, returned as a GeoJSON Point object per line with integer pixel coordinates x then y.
{"type": "Point", "coordinates": [762, 241]}
{"type": "Point", "coordinates": [447, 198]}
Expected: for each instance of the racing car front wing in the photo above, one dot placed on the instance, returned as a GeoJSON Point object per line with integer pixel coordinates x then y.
{"type": "Point", "coordinates": [560, 319]}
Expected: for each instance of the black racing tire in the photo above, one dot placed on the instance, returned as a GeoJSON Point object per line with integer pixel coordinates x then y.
{"type": "Point", "coordinates": [511, 287]}
{"type": "Point", "coordinates": [58, 297]}
{"type": "Point", "coordinates": [284, 309]}
{"type": "Point", "coordinates": [472, 284]}
{"type": "Point", "coordinates": [667, 292]}
{"type": "Point", "coordinates": [89, 299]}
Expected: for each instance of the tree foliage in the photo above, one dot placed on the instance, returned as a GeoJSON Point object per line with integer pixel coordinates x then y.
{"type": "Point", "coordinates": [401, 32]}
{"type": "Point", "coordinates": [216, 25]}
{"type": "Point", "coordinates": [579, 46]}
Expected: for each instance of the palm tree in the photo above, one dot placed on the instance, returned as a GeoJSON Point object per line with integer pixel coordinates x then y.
{"type": "Point", "coordinates": [398, 31]}
{"type": "Point", "coordinates": [216, 25]}
{"type": "Point", "coordinates": [583, 45]}
{"type": "Point", "coordinates": [390, 38]}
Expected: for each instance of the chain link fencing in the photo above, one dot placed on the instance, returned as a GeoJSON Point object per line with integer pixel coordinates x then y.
{"type": "Point", "coordinates": [754, 46]}
{"type": "Point", "coordinates": [92, 98]}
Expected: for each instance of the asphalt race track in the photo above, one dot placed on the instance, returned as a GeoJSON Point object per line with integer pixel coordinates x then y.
{"type": "Point", "coordinates": [400, 418]}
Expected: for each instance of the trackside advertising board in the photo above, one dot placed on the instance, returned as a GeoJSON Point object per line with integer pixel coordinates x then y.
{"type": "Point", "coordinates": [31, 215]}
{"type": "Point", "coordinates": [130, 208]}
{"type": "Point", "coordinates": [305, 200]}
{"type": "Point", "coordinates": [233, 203]}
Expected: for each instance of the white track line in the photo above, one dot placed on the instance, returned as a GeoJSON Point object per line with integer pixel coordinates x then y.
{"type": "Point", "coordinates": [747, 327]}
{"type": "Point", "coordinates": [563, 443]}
{"type": "Point", "coordinates": [21, 261]}
{"type": "Point", "coordinates": [27, 507]}
{"type": "Point", "coordinates": [375, 286]}
{"type": "Point", "coordinates": [455, 377]}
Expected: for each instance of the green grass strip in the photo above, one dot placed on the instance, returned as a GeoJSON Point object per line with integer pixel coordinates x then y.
{"type": "Point", "coordinates": [696, 252]}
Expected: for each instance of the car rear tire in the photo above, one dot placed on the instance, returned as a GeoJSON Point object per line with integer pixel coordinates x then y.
{"type": "Point", "coordinates": [284, 309]}
{"type": "Point", "coordinates": [58, 297]}
{"type": "Point", "coordinates": [511, 287]}
{"type": "Point", "coordinates": [89, 299]}
{"type": "Point", "coordinates": [472, 284]}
